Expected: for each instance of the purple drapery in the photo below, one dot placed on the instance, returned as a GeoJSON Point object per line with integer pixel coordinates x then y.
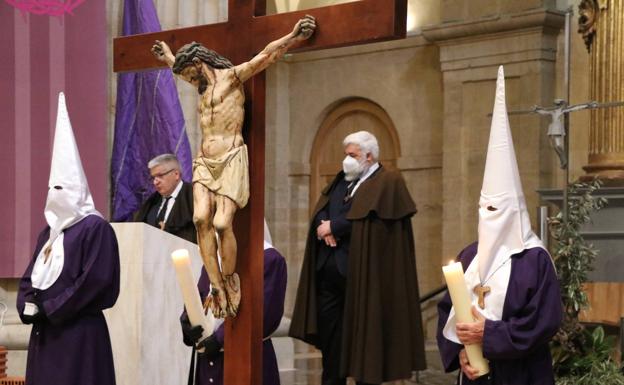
{"type": "Point", "coordinates": [148, 121]}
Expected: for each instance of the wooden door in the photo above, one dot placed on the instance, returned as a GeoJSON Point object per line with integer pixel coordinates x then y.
{"type": "Point", "coordinates": [348, 117]}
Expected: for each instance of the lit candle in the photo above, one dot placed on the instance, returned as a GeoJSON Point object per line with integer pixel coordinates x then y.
{"type": "Point", "coordinates": [454, 275]}
{"type": "Point", "coordinates": [190, 294]}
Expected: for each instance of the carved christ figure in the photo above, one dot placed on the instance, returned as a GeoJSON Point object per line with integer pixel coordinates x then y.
{"type": "Point", "coordinates": [220, 171]}
{"type": "Point", "coordinates": [556, 130]}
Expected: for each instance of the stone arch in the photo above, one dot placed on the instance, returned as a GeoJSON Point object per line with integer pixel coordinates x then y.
{"type": "Point", "coordinates": [343, 118]}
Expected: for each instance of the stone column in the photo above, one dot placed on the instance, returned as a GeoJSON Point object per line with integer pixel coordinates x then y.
{"type": "Point", "coordinates": [470, 53]}
{"type": "Point", "coordinates": [601, 22]}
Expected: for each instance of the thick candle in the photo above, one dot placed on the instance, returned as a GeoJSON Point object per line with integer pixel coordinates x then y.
{"type": "Point", "coordinates": [190, 294]}
{"type": "Point", "coordinates": [454, 275]}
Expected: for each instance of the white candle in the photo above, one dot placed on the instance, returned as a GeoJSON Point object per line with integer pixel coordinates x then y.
{"type": "Point", "coordinates": [190, 294]}
{"type": "Point", "coordinates": [454, 275]}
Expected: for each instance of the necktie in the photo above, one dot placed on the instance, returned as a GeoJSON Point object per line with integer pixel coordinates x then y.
{"type": "Point", "coordinates": [350, 189]}
{"type": "Point", "coordinates": [160, 218]}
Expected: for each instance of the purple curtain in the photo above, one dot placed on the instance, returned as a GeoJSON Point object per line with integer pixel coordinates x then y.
{"type": "Point", "coordinates": [148, 121]}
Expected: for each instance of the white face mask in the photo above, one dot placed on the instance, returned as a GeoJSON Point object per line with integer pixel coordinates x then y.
{"type": "Point", "coordinates": [352, 168]}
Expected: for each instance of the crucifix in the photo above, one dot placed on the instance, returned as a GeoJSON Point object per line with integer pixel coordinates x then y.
{"type": "Point", "coordinates": [481, 291]}
{"type": "Point", "coordinates": [246, 33]}
{"type": "Point", "coordinates": [559, 127]}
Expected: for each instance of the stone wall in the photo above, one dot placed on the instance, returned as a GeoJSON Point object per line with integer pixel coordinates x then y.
{"type": "Point", "coordinates": [404, 79]}
{"type": "Point", "coordinates": [469, 60]}
{"type": "Point", "coordinates": [437, 86]}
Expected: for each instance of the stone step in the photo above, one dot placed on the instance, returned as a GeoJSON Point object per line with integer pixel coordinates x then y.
{"type": "Point", "coordinates": [301, 364]}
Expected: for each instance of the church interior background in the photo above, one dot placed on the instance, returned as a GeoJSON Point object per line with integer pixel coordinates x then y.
{"type": "Point", "coordinates": [426, 97]}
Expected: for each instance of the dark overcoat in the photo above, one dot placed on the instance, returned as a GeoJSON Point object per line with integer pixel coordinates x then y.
{"type": "Point", "coordinates": [180, 219]}
{"type": "Point", "coordinates": [382, 329]}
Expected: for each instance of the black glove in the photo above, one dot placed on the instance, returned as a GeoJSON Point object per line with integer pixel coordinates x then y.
{"type": "Point", "coordinates": [191, 334]}
{"type": "Point", "coordinates": [211, 347]}
{"type": "Point", "coordinates": [40, 316]}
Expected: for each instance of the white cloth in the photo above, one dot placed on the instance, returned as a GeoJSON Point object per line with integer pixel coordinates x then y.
{"type": "Point", "coordinates": [495, 299]}
{"type": "Point", "coordinates": [267, 234]}
{"type": "Point", "coordinates": [506, 230]}
{"type": "Point", "coordinates": [69, 199]}
{"type": "Point", "coordinates": [44, 274]}
{"type": "Point", "coordinates": [504, 223]}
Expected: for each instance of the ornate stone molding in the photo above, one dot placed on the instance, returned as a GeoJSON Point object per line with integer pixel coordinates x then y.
{"type": "Point", "coordinates": [536, 18]}
{"type": "Point", "coordinates": [416, 40]}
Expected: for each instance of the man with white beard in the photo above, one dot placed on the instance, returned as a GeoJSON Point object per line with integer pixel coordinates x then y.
{"type": "Point", "coordinates": [358, 299]}
{"type": "Point", "coordinates": [72, 277]}
{"type": "Point", "coordinates": [511, 278]}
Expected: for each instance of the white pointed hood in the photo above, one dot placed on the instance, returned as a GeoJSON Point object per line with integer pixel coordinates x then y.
{"type": "Point", "coordinates": [268, 242]}
{"type": "Point", "coordinates": [69, 199]}
{"type": "Point", "coordinates": [504, 224]}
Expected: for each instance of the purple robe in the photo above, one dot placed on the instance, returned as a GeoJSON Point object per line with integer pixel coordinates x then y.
{"type": "Point", "coordinates": [72, 347]}
{"type": "Point", "coordinates": [210, 371]}
{"type": "Point", "coordinates": [516, 346]}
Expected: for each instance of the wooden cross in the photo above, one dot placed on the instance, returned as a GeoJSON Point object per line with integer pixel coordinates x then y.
{"type": "Point", "coordinates": [481, 291]}
{"type": "Point", "coordinates": [246, 33]}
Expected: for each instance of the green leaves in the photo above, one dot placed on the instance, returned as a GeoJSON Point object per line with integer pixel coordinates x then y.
{"type": "Point", "coordinates": [593, 365]}
{"type": "Point", "coordinates": [574, 258]}
{"type": "Point", "coordinates": [580, 357]}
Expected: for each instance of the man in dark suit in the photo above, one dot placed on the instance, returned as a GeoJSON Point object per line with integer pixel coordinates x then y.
{"type": "Point", "coordinates": [170, 207]}
{"type": "Point", "coordinates": [333, 230]}
{"type": "Point", "coordinates": [357, 299]}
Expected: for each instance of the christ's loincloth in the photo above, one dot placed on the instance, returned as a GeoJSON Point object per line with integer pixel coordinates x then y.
{"type": "Point", "coordinates": [227, 175]}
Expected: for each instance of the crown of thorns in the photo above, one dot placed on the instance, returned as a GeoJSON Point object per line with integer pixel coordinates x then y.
{"type": "Point", "coordinates": [186, 54]}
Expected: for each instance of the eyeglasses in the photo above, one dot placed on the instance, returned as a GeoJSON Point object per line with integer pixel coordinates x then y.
{"type": "Point", "coordinates": [161, 175]}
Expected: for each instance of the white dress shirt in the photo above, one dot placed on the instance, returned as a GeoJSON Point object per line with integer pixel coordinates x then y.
{"type": "Point", "coordinates": [171, 201]}
{"type": "Point", "coordinates": [365, 176]}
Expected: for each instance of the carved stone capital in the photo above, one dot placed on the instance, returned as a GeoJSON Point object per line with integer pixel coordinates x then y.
{"type": "Point", "coordinates": [588, 15]}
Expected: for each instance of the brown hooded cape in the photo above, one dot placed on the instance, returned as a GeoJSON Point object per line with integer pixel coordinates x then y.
{"type": "Point", "coordinates": [382, 329]}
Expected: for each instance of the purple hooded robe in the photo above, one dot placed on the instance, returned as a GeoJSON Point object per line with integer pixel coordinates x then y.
{"type": "Point", "coordinates": [72, 345]}
{"type": "Point", "coordinates": [517, 345]}
{"type": "Point", "coordinates": [210, 370]}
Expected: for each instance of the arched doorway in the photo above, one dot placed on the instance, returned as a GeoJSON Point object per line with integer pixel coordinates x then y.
{"type": "Point", "coordinates": [347, 117]}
